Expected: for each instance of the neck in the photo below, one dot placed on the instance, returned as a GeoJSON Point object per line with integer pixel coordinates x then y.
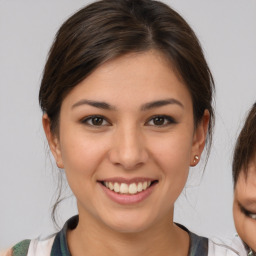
{"type": "Point", "coordinates": [91, 238]}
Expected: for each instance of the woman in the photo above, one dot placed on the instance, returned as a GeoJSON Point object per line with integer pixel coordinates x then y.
{"type": "Point", "coordinates": [127, 108]}
{"type": "Point", "coordinates": [244, 176]}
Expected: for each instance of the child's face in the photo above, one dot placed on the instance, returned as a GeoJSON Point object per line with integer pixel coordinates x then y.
{"type": "Point", "coordinates": [126, 141]}
{"type": "Point", "coordinates": [244, 208]}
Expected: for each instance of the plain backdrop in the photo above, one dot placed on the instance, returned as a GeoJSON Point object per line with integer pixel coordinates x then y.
{"type": "Point", "coordinates": [227, 31]}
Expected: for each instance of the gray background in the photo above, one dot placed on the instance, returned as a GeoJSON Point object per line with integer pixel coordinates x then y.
{"type": "Point", "coordinates": [227, 31]}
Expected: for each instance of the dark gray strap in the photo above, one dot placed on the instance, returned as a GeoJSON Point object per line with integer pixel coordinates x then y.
{"type": "Point", "coordinates": [198, 246]}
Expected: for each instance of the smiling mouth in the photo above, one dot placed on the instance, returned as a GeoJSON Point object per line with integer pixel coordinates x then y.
{"type": "Point", "coordinates": [128, 189]}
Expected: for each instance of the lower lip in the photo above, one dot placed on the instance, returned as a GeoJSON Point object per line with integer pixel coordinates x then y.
{"type": "Point", "coordinates": [128, 199]}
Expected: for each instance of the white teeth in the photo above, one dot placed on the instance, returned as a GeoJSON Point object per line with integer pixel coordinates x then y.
{"type": "Point", "coordinates": [133, 189]}
{"type": "Point", "coordinates": [124, 188]}
{"type": "Point", "coordinates": [110, 186]}
{"type": "Point", "coordinates": [116, 187]}
{"type": "Point", "coordinates": [144, 185]}
{"type": "Point", "coordinates": [139, 187]}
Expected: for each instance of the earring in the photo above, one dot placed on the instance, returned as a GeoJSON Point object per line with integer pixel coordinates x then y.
{"type": "Point", "coordinates": [196, 158]}
{"type": "Point", "coordinates": [58, 165]}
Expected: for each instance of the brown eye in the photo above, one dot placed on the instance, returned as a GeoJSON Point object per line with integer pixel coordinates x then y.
{"type": "Point", "coordinates": [95, 121]}
{"type": "Point", "coordinates": [158, 120]}
{"type": "Point", "coordinates": [161, 120]}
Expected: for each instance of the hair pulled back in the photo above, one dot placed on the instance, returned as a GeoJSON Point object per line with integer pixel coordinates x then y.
{"type": "Point", "coordinates": [245, 148]}
{"type": "Point", "coordinates": [108, 29]}
{"type": "Point", "coordinates": [111, 28]}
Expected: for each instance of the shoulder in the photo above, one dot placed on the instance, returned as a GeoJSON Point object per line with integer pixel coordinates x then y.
{"type": "Point", "coordinates": [19, 249]}
{"type": "Point", "coordinates": [33, 247]}
{"type": "Point", "coordinates": [227, 247]}
{"type": "Point", "coordinates": [7, 252]}
{"type": "Point", "coordinates": [202, 246]}
{"type": "Point", "coordinates": [41, 247]}
{"type": "Point", "coordinates": [198, 244]}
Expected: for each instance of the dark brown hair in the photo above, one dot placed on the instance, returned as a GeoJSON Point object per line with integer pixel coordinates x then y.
{"type": "Point", "coordinates": [109, 29]}
{"type": "Point", "coordinates": [245, 148]}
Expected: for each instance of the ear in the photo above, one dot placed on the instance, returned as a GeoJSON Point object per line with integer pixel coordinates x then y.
{"type": "Point", "coordinates": [53, 141]}
{"type": "Point", "coordinates": [199, 139]}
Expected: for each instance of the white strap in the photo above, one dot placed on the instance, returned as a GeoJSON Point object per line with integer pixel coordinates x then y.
{"type": "Point", "coordinates": [217, 247]}
{"type": "Point", "coordinates": [40, 248]}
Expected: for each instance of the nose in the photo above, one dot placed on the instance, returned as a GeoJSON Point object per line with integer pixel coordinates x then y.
{"type": "Point", "coordinates": [128, 148]}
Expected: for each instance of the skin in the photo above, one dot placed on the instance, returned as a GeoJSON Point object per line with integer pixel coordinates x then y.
{"type": "Point", "coordinates": [128, 144]}
{"type": "Point", "coordinates": [245, 197]}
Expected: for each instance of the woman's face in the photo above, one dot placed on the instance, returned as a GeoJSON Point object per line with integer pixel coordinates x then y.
{"type": "Point", "coordinates": [244, 208]}
{"type": "Point", "coordinates": [126, 141]}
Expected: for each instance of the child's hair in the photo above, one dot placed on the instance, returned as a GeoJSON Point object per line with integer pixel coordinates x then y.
{"type": "Point", "coordinates": [108, 29]}
{"type": "Point", "coordinates": [245, 148]}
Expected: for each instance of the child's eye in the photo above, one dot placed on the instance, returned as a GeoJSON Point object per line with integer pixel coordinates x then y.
{"type": "Point", "coordinates": [95, 121]}
{"type": "Point", "coordinates": [160, 120]}
{"type": "Point", "coordinates": [247, 213]}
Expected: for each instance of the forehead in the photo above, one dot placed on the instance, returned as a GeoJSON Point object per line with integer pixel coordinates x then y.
{"type": "Point", "coordinates": [146, 75]}
{"type": "Point", "coordinates": [246, 183]}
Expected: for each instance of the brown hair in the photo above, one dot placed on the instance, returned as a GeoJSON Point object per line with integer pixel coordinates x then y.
{"type": "Point", "coordinates": [245, 148]}
{"type": "Point", "coordinates": [108, 29]}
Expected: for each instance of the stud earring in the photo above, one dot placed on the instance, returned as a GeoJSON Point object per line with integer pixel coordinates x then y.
{"type": "Point", "coordinates": [196, 158]}
{"type": "Point", "coordinates": [58, 164]}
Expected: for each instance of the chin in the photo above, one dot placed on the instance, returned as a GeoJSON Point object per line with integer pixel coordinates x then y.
{"type": "Point", "coordinates": [130, 223]}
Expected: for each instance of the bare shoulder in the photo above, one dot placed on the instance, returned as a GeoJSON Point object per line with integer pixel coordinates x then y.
{"type": "Point", "coordinates": [19, 249]}
{"type": "Point", "coordinates": [7, 252]}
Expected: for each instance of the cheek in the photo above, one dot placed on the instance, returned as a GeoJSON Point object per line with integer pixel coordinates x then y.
{"type": "Point", "coordinates": [173, 152]}
{"type": "Point", "coordinates": [246, 227]}
{"type": "Point", "coordinates": [81, 156]}
{"type": "Point", "coordinates": [78, 148]}
{"type": "Point", "coordinates": [172, 156]}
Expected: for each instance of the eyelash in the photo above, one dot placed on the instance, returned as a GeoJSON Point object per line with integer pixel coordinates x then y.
{"type": "Point", "coordinates": [91, 118]}
{"type": "Point", "coordinates": [248, 213]}
{"type": "Point", "coordinates": [167, 120]}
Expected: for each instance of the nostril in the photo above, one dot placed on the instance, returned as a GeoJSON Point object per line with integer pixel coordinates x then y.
{"type": "Point", "coordinates": [128, 152]}
{"type": "Point", "coordinates": [127, 163]}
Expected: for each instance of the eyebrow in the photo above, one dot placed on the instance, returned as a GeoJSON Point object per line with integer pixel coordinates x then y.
{"type": "Point", "coordinates": [96, 104]}
{"type": "Point", "coordinates": [144, 107]}
{"type": "Point", "coordinates": [160, 103]}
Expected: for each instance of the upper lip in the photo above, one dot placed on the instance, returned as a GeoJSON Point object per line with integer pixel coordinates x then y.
{"type": "Point", "coordinates": [127, 181]}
